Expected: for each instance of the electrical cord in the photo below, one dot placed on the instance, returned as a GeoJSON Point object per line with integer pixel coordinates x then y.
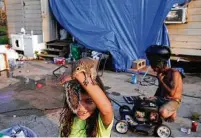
{"type": "Point", "coordinates": [150, 80]}
{"type": "Point", "coordinates": [191, 96]}
{"type": "Point", "coordinates": [116, 104]}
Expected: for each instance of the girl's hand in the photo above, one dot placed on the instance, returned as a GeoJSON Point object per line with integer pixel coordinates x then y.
{"type": "Point", "coordinates": [99, 98]}
{"type": "Point", "coordinates": [64, 78]}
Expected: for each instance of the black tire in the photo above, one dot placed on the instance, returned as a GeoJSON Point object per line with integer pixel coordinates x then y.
{"type": "Point", "coordinates": [122, 127]}
{"type": "Point", "coordinates": [161, 130]}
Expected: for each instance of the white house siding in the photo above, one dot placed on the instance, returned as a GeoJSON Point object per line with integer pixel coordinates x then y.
{"type": "Point", "coordinates": [24, 13]}
{"type": "Point", "coordinates": [49, 23]}
{"type": "Point", "coordinates": [186, 38]}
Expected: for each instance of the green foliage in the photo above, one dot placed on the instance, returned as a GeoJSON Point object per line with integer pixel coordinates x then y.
{"type": "Point", "coordinates": [3, 28]}
{"type": "Point", "coordinates": [4, 38]}
{"type": "Point", "coordinates": [195, 116]}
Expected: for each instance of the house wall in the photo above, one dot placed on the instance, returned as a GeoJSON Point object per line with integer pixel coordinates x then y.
{"type": "Point", "coordinates": [24, 13]}
{"type": "Point", "coordinates": [186, 38]}
{"type": "Point", "coordinates": [49, 24]}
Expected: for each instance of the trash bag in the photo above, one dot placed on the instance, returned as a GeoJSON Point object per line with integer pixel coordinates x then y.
{"type": "Point", "coordinates": [18, 131]}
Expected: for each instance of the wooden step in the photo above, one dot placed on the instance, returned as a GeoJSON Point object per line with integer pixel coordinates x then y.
{"type": "Point", "coordinates": [62, 41]}
{"type": "Point", "coordinates": [48, 55]}
{"type": "Point", "coordinates": [54, 50]}
{"type": "Point", "coordinates": [59, 44]}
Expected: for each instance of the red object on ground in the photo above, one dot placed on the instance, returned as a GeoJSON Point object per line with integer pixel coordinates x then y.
{"type": "Point", "coordinates": [194, 127]}
{"type": "Point", "coordinates": [39, 85]}
{"type": "Point", "coordinates": [60, 61]}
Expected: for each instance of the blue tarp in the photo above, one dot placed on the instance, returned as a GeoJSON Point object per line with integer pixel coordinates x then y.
{"type": "Point", "coordinates": [125, 28]}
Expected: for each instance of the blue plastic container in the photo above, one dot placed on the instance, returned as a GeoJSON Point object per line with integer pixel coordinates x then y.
{"type": "Point", "coordinates": [134, 79]}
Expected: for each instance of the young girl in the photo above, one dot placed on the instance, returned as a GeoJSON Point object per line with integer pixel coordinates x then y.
{"type": "Point", "coordinates": [94, 117]}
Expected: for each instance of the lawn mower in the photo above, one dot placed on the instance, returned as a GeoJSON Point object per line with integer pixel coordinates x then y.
{"type": "Point", "coordinates": [143, 117]}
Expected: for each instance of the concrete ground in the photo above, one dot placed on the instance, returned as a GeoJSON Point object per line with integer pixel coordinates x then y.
{"type": "Point", "coordinates": [21, 102]}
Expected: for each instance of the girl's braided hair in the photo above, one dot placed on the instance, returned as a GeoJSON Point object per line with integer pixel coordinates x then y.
{"type": "Point", "coordinates": [72, 99]}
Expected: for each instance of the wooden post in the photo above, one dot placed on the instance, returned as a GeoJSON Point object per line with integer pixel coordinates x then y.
{"type": "Point", "coordinates": [6, 65]}
{"type": "Point", "coordinates": [6, 20]}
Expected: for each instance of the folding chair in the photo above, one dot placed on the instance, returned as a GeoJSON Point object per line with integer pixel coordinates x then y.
{"type": "Point", "coordinates": [102, 57]}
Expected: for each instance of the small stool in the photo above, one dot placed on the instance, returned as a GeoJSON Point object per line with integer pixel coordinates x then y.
{"type": "Point", "coordinates": [105, 58]}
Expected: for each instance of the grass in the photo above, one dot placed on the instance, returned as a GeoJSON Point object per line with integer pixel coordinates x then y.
{"type": "Point", "coordinates": [195, 116]}
{"type": "Point", "coordinates": [3, 28]}
{"type": "Point", "coordinates": [4, 38]}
